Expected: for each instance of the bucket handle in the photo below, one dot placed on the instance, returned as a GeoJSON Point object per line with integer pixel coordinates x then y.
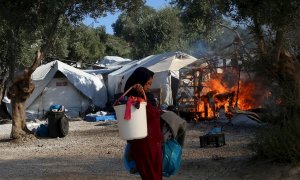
{"type": "Point", "coordinates": [145, 97]}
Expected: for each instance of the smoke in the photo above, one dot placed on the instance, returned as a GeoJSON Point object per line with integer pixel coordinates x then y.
{"type": "Point", "coordinates": [200, 49]}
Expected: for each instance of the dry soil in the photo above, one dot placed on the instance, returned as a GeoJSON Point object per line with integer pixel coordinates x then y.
{"type": "Point", "coordinates": [93, 150]}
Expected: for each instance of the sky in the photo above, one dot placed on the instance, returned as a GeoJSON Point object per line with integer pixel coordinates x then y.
{"type": "Point", "coordinates": [111, 18]}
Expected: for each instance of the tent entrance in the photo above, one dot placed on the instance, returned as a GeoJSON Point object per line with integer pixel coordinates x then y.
{"type": "Point", "coordinates": [60, 91]}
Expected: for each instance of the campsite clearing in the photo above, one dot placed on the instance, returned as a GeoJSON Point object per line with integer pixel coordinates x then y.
{"type": "Point", "coordinates": [93, 150]}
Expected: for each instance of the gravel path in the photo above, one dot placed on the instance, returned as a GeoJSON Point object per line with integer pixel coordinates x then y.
{"type": "Point", "coordinates": [93, 150]}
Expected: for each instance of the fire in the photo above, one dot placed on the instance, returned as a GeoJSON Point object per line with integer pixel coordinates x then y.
{"type": "Point", "coordinates": [215, 84]}
{"type": "Point", "coordinates": [246, 96]}
{"type": "Point", "coordinates": [226, 92]}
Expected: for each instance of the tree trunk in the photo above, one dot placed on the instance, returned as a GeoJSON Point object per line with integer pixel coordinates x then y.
{"type": "Point", "coordinates": [279, 38]}
{"type": "Point", "coordinates": [289, 80]}
{"type": "Point", "coordinates": [19, 91]}
{"type": "Point", "coordinates": [19, 128]}
{"type": "Point", "coordinates": [259, 39]}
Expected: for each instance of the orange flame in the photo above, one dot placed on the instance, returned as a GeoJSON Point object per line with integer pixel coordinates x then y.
{"type": "Point", "coordinates": [217, 94]}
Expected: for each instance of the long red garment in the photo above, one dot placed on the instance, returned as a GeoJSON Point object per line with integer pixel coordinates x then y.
{"type": "Point", "coordinates": [147, 152]}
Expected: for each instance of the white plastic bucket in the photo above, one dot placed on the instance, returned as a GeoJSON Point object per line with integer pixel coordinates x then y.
{"type": "Point", "coordinates": [134, 128]}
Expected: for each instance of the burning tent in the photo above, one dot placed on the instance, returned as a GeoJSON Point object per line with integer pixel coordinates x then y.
{"type": "Point", "coordinates": [219, 85]}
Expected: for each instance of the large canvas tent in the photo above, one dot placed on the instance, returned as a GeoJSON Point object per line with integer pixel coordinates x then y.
{"type": "Point", "coordinates": [59, 83]}
{"type": "Point", "coordinates": [165, 66]}
{"type": "Point", "coordinates": [107, 65]}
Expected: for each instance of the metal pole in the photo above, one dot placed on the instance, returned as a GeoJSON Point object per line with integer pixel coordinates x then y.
{"type": "Point", "coordinates": [238, 89]}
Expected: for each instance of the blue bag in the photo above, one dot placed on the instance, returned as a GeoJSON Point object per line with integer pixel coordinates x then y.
{"type": "Point", "coordinates": [172, 152]}
{"type": "Point", "coordinates": [42, 130]}
{"type": "Point", "coordinates": [171, 155]}
{"type": "Point", "coordinates": [128, 162]}
{"type": "Point", "coordinates": [54, 107]}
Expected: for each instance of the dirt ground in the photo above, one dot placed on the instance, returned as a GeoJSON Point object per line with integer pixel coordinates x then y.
{"type": "Point", "coordinates": [93, 150]}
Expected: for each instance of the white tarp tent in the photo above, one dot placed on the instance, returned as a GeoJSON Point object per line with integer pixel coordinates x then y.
{"type": "Point", "coordinates": [59, 83]}
{"type": "Point", "coordinates": [112, 62]}
{"type": "Point", "coordinates": [165, 66]}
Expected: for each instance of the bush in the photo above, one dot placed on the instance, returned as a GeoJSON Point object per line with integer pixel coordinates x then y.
{"type": "Point", "coordinates": [279, 143]}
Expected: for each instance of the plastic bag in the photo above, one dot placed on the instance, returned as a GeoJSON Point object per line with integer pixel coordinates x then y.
{"type": "Point", "coordinates": [128, 162]}
{"type": "Point", "coordinates": [42, 130]}
{"type": "Point", "coordinates": [172, 152]}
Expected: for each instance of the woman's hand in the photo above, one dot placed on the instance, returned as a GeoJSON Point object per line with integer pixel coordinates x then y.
{"type": "Point", "coordinates": [139, 88]}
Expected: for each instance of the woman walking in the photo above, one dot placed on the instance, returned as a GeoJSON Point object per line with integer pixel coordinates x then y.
{"type": "Point", "coordinates": [146, 152]}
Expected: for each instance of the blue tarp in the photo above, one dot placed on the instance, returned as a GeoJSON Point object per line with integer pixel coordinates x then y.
{"type": "Point", "coordinates": [95, 117]}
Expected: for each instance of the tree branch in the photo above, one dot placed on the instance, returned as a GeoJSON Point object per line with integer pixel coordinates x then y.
{"type": "Point", "coordinates": [44, 49]}
{"type": "Point", "coordinates": [238, 38]}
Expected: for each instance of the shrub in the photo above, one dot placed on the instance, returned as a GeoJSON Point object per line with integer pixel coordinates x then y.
{"type": "Point", "coordinates": [279, 143]}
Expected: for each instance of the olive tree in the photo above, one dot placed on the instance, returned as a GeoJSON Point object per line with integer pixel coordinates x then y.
{"type": "Point", "coordinates": [37, 21]}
